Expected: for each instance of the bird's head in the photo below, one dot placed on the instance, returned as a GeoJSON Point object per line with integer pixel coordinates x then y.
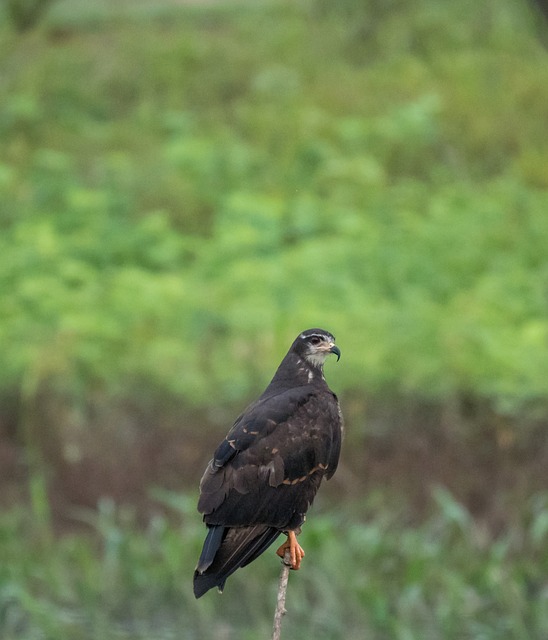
{"type": "Point", "coordinates": [314, 345]}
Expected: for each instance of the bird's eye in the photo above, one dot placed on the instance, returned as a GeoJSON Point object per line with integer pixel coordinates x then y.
{"type": "Point", "coordinates": [315, 340]}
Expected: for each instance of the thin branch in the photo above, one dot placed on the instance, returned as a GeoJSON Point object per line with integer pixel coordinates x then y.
{"type": "Point", "coordinates": [282, 589]}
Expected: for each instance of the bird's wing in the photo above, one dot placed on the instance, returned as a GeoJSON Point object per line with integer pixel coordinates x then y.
{"type": "Point", "coordinates": [270, 465]}
{"type": "Point", "coordinates": [258, 421]}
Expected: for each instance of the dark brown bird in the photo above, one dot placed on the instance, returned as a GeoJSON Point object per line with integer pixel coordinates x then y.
{"type": "Point", "coordinates": [265, 473]}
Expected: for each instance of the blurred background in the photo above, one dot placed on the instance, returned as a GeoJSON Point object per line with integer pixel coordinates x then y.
{"type": "Point", "coordinates": [184, 187]}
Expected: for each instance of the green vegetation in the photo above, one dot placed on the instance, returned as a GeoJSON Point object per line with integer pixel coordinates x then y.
{"type": "Point", "coordinates": [184, 187]}
{"type": "Point", "coordinates": [379, 578]}
{"type": "Point", "coordinates": [25, 14]}
{"type": "Point", "coordinates": [176, 194]}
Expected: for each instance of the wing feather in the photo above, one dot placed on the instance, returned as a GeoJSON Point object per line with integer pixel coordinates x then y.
{"type": "Point", "coordinates": [293, 454]}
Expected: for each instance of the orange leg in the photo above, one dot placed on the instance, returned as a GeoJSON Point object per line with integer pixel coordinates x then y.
{"type": "Point", "coordinates": [296, 552]}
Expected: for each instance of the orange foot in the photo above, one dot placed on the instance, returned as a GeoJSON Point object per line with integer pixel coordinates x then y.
{"type": "Point", "coordinates": [296, 552]}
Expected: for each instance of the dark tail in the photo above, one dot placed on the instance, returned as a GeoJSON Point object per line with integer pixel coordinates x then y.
{"type": "Point", "coordinates": [227, 549]}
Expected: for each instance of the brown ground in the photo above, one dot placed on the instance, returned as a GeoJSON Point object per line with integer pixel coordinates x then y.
{"type": "Point", "coordinates": [490, 463]}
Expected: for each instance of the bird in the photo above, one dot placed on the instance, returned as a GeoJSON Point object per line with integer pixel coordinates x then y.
{"type": "Point", "coordinates": [265, 473]}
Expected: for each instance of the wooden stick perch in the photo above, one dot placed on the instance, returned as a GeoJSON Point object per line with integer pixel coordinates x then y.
{"type": "Point", "coordinates": [282, 589]}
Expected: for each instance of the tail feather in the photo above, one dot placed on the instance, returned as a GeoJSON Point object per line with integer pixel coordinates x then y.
{"type": "Point", "coordinates": [236, 548]}
{"type": "Point", "coordinates": [212, 543]}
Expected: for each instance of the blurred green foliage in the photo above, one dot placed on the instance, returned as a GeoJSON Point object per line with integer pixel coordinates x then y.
{"type": "Point", "coordinates": [25, 14]}
{"type": "Point", "coordinates": [368, 573]}
{"type": "Point", "coordinates": [184, 188]}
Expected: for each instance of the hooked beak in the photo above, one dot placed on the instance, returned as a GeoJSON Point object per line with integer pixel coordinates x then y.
{"type": "Point", "coordinates": [334, 349]}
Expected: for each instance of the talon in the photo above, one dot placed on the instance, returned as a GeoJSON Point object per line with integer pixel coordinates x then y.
{"type": "Point", "coordinates": [296, 552]}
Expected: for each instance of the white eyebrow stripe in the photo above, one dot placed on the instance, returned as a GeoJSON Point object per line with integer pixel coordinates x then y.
{"type": "Point", "coordinates": [323, 336]}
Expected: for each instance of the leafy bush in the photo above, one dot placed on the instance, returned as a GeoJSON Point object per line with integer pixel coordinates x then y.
{"type": "Point", "coordinates": [182, 190]}
{"type": "Point", "coordinates": [189, 188]}
{"type": "Point", "coordinates": [370, 573]}
{"type": "Point", "coordinates": [25, 14]}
